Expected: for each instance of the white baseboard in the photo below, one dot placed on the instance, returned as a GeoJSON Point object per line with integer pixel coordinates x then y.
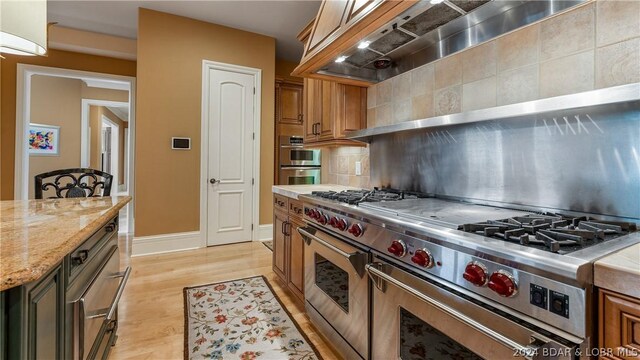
{"type": "Point", "coordinates": [265, 232]}
{"type": "Point", "coordinates": [157, 244]}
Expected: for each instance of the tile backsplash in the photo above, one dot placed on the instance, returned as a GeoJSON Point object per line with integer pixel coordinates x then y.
{"type": "Point", "coordinates": [593, 46]}
{"type": "Point", "coordinates": [339, 166]}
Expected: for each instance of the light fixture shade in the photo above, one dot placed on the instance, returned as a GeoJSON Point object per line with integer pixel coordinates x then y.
{"type": "Point", "coordinates": [23, 27]}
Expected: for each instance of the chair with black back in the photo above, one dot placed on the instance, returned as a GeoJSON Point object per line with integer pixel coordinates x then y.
{"type": "Point", "coordinates": [74, 183]}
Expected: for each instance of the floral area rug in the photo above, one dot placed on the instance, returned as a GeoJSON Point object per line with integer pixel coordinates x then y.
{"type": "Point", "coordinates": [241, 319]}
{"type": "Point", "coordinates": [268, 244]}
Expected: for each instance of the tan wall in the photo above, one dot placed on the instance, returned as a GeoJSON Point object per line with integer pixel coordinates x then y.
{"type": "Point", "coordinates": [55, 58]}
{"type": "Point", "coordinates": [170, 54]}
{"type": "Point", "coordinates": [104, 94]}
{"type": "Point", "coordinates": [95, 123]}
{"type": "Point", "coordinates": [284, 69]}
{"type": "Point", "coordinates": [56, 101]}
{"type": "Point", "coordinates": [590, 47]}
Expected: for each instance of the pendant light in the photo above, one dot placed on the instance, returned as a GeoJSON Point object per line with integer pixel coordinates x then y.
{"type": "Point", "coordinates": [23, 27]}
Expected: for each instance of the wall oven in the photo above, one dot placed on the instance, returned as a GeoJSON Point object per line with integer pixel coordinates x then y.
{"type": "Point", "coordinates": [337, 291]}
{"type": "Point", "coordinates": [417, 316]}
{"type": "Point", "coordinates": [299, 175]}
{"type": "Point", "coordinates": [292, 153]}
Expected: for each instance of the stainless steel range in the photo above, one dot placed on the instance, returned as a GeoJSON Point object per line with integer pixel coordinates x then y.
{"type": "Point", "coordinates": [454, 279]}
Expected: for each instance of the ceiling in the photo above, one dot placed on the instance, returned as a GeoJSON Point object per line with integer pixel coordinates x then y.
{"type": "Point", "coordinates": [282, 20]}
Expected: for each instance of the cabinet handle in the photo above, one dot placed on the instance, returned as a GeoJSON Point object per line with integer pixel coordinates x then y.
{"type": "Point", "coordinates": [81, 258]}
{"type": "Point", "coordinates": [282, 228]}
{"type": "Point", "coordinates": [287, 229]}
{"type": "Point", "coordinates": [300, 117]}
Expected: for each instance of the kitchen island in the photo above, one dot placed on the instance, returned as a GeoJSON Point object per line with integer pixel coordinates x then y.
{"type": "Point", "coordinates": [50, 252]}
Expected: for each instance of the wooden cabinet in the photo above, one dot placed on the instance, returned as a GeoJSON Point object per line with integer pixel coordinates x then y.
{"type": "Point", "coordinates": [288, 245]}
{"type": "Point", "coordinates": [280, 243]}
{"type": "Point", "coordinates": [288, 103]}
{"type": "Point", "coordinates": [340, 25]}
{"type": "Point", "coordinates": [619, 329]}
{"type": "Point", "coordinates": [331, 17]}
{"type": "Point", "coordinates": [36, 314]}
{"type": "Point", "coordinates": [331, 109]}
{"type": "Point", "coordinates": [295, 280]}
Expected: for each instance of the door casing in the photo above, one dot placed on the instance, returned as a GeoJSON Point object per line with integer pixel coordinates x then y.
{"type": "Point", "coordinates": [208, 65]}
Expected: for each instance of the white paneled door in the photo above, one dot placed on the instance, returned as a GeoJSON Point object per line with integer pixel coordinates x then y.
{"type": "Point", "coordinates": [230, 156]}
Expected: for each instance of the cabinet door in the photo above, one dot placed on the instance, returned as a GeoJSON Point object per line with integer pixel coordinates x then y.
{"type": "Point", "coordinates": [36, 318]}
{"type": "Point", "coordinates": [330, 17]}
{"type": "Point", "coordinates": [312, 110]}
{"type": "Point", "coordinates": [45, 318]}
{"type": "Point", "coordinates": [326, 126]}
{"type": "Point", "coordinates": [351, 107]}
{"type": "Point", "coordinates": [280, 245]}
{"type": "Point", "coordinates": [619, 325]}
{"type": "Point", "coordinates": [289, 104]}
{"type": "Point", "coordinates": [296, 260]}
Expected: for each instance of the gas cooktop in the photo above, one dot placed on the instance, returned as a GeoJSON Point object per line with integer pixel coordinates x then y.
{"type": "Point", "coordinates": [550, 232]}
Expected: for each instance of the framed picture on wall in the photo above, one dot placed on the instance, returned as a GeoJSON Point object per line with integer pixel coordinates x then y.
{"type": "Point", "coordinates": [44, 139]}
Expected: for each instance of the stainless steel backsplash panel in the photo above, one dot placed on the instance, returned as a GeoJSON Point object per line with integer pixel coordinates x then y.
{"type": "Point", "coordinates": [585, 160]}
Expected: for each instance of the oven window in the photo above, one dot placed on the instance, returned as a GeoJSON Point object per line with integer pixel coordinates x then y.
{"type": "Point", "coordinates": [301, 155]}
{"type": "Point", "coordinates": [420, 341]}
{"type": "Point", "coordinates": [333, 281]}
{"type": "Point", "coordinates": [301, 180]}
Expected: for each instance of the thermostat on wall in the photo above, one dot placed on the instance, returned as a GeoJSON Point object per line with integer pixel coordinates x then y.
{"type": "Point", "coordinates": [180, 143]}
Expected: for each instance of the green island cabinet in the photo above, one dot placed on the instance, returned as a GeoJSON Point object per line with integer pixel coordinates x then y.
{"type": "Point", "coordinates": [35, 312]}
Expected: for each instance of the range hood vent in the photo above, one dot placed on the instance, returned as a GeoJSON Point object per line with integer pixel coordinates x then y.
{"type": "Point", "coordinates": [427, 32]}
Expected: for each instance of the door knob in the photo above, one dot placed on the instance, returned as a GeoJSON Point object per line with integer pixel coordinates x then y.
{"type": "Point", "coordinates": [214, 181]}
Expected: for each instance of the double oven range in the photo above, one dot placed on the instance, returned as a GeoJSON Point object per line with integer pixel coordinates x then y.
{"type": "Point", "coordinates": [392, 275]}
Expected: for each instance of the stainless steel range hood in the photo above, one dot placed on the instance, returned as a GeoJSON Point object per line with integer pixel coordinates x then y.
{"type": "Point", "coordinates": [426, 32]}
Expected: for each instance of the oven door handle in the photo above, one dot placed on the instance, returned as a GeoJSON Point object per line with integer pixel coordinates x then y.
{"type": "Point", "coordinates": [110, 312]}
{"type": "Point", "coordinates": [357, 259]}
{"type": "Point", "coordinates": [530, 351]}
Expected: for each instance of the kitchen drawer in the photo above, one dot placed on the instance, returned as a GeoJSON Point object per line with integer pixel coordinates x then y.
{"type": "Point", "coordinates": [295, 208]}
{"type": "Point", "coordinates": [280, 202]}
{"type": "Point", "coordinates": [80, 259]}
{"type": "Point", "coordinates": [619, 330]}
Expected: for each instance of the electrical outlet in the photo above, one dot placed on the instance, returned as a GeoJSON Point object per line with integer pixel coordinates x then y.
{"type": "Point", "coordinates": [358, 168]}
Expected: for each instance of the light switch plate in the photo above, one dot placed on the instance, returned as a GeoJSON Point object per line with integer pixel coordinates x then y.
{"type": "Point", "coordinates": [358, 168]}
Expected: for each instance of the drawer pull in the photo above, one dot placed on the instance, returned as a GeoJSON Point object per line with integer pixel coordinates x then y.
{"type": "Point", "coordinates": [81, 258]}
{"type": "Point", "coordinates": [108, 313]}
{"type": "Point", "coordinates": [110, 227]}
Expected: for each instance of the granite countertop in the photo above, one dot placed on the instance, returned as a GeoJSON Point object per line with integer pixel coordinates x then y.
{"type": "Point", "coordinates": [292, 191]}
{"type": "Point", "coordinates": [620, 271]}
{"type": "Point", "coordinates": [35, 235]}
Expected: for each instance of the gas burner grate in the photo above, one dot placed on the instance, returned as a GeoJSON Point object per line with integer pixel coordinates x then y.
{"type": "Point", "coordinates": [354, 197]}
{"type": "Point", "coordinates": [552, 232]}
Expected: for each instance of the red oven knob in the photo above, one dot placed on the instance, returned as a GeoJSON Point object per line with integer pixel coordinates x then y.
{"type": "Point", "coordinates": [313, 213]}
{"type": "Point", "coordinates": [356, 230]}
{"type": "Point", "coordinates": [342, 225]}
{"type": "Point", "coordinates": [503, 283]}
{"type": "Point", "coordinates": [333, 222]}
{"type": "Point", "coordinates": [307, 211]}
{"type": "Point", "coordinates": [397, 248]}
{"type": "Point", "coordinates": [423, 258]}
{"type": "Point", "coordinates": [475, 273]}
{"type": "Point", "coordinates": [323, 219]}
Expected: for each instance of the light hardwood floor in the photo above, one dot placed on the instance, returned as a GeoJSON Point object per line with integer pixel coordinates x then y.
{"type": "Point", "coordinates": [151, 320]}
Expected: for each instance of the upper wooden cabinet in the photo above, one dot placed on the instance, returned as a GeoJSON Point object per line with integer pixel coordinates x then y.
{"type": "Point", "coordinates": [288, 103]}
{"type": "Point", "coordinates": [331, 110]}
{"type": "Point", "coordinates": [339, 25]}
